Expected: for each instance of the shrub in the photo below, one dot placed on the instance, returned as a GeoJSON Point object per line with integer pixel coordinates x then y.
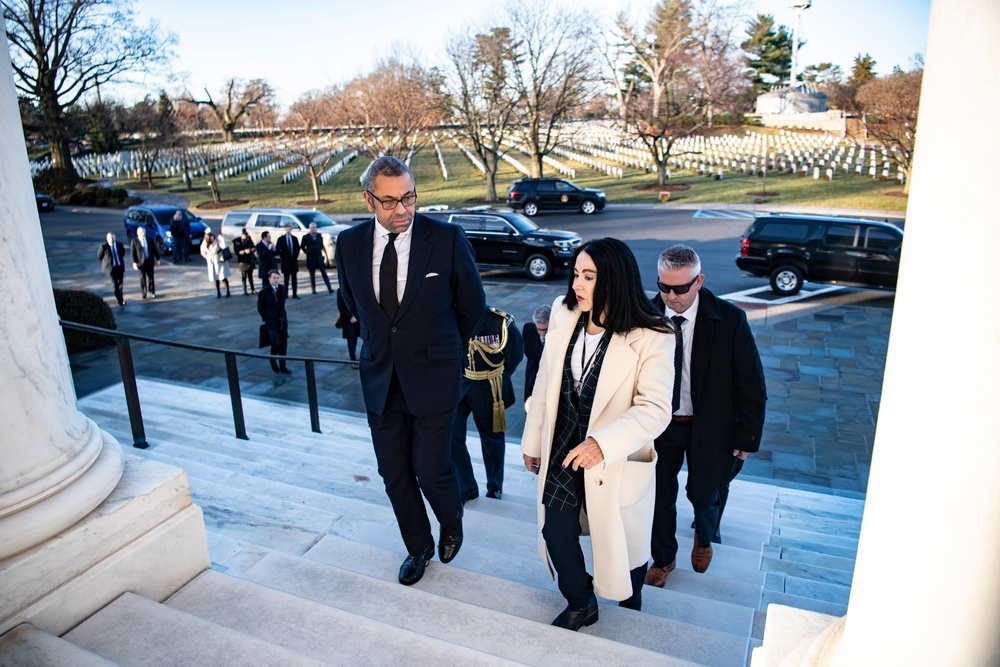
{"type": "Point", "coordinates": [102, 197]}
{"type": "Point", "coordinates": [59, 183]}
{"type": "Point", "coordinates": [84, 308]}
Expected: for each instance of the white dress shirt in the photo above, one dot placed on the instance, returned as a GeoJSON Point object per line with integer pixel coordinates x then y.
{"type": "Point", "coordinates": [687, 336]}
{"type": "Point", "coordinates": [402, 257]}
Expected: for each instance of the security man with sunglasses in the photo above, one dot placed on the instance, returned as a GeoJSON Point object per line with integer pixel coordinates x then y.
{"type": "Point", "coordinates": [718, 409]}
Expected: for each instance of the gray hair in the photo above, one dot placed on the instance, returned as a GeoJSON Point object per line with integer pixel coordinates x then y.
{"type": "Point", "coordinates": [679, 257]}
{"type": "Point", "coordinates": [541, 315]}
{"type": "Point", "coordinates": [385, 166]}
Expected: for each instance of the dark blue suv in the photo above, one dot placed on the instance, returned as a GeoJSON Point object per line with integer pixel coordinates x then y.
{"type": "Point", "coordinates": [157, 219]}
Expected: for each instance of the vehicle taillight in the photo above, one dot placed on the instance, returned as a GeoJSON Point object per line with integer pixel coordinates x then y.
{"type": "Point", "coordinates": [513, 193]}
{"type": "Point", "coordinates": [745, 247]}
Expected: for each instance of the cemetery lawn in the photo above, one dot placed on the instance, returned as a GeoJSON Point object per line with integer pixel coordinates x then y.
{"type": "Point", "coordinates": [466, 187]}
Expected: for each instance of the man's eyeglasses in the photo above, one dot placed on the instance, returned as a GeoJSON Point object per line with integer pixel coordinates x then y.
{"type": "Point", "coordinates": [390, 203]}
{"type": "Point", "coordinates": [676, 289]}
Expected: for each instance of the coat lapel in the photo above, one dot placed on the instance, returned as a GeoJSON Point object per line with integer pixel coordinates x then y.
{"type": "Point", "coordinates": [420, 255]}
{"type": "Point", "coordinates": [619, 361]}
{"type": "Point", "coordinates": [704, 330]}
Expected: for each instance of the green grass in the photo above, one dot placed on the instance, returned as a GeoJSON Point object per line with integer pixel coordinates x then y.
{"type": "Point", "coordinates": [465, 187]}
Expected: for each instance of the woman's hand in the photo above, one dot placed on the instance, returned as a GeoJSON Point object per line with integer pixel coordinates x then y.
{"type": "Point", "coordinates": [586, 455]}
{"type": "Point", "coordinates": [531, 463]}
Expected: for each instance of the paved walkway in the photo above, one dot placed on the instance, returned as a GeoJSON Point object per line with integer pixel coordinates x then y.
{"type": "Point", "coordinates": [823, 358]}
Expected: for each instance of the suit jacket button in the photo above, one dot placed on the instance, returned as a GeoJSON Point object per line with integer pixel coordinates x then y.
{"type": "Point", "coordinates": [598, 482]}
{"type": "Point", "coordinates": [394, 330]}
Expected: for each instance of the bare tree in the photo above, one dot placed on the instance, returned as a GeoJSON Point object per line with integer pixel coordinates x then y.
{"type": "Point", "coordinates": [554, 72]}
{"type": "Point", "coordinates": [483, 105]}
{"type": "Point", "coordinates": [670, 106]}
{"type": "Point", "coordinates": [239, 98]}
{"type": "Point", "coordinates": [151, 121]}
{"type": "Point", "coordinates": [890, 104]}
{"type": "Point", "coordinates": [618, 70]}
{"type": "Point", "coordinates": [716, 60]}
{"type": "Point", "coordinates": [61, 49]}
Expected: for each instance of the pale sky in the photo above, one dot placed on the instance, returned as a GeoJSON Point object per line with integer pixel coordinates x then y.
{"type": "Point", "coordinates": [299, 45]}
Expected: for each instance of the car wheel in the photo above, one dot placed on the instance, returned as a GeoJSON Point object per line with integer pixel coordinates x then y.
{"type": "Point", "coordinates": [588, 207]}
{"type": "Point", "coordinates": [786, 280]}
{"type": "Point", "coordinates": [530, 208]}
{"type": "Point", "coordinates": [161, 246]}
{"type": "Point", "coordinates": [538, 267]}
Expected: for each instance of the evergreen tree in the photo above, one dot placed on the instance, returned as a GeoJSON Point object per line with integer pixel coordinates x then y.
{"type": "Point", "coordinates": [769, 52]}
{"type": "Point", "coordinates": [862, 71]}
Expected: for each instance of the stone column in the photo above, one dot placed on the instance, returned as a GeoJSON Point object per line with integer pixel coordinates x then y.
{"type": "Point", "coordinates": [926, 588]}
{"type": "Point", "coordinates": [55, 464]}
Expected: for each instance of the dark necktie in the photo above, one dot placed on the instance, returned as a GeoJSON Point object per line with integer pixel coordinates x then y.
{"type": "Point", "coordinates": [387, 296]}
{"type": "Point", "coordinates": [678, 363]}
{"type": "Point", "coordinates": [114, 255]}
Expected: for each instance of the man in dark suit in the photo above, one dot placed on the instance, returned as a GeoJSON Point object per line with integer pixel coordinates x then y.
{"type": "Point", "coordinates": [112, 256]}
{"type": "Point", "coordinates": [494, 351]}
{"type": "Point", "coordinates": [312, 248]}
{"type": "Point", "coordinates": [287, 248]}
{"type": "Point", "coordinates": [271, 306]}
{"type": "Point", "coordinates": [413, 284]}
{"type": "Point", "coordinates": [265, 258]}
{"type": "Point", "coordinates": [534, 344]}
{"type": "Point", "coordinates": [718, 407]}
{"type": "Point", "coordinates": [145, 257]}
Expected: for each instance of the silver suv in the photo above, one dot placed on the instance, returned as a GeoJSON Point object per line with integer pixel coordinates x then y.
{"type": "Point", "coordinates": [273, 220]}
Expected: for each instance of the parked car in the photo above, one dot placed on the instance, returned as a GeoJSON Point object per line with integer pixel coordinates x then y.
{"type": "Point", "coordinates": [157, 219]}
{"type": "Point", "coordinates": [44, 202]}
{"type": "Point", "coordinates": [553, 194]}
{"type": "Point", "coordinates": [502, 238]}
{"type": "Point", "coordinates": [273, 220]}
{"type": "Point", "coordinates": [790, 249]}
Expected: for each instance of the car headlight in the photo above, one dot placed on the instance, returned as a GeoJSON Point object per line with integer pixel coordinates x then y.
{"type": "Point", "coordinates": [600, 193]}
{"type": "Point", "coordinates": [169, 235]}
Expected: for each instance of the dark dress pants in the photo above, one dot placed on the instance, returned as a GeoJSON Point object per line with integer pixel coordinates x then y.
{"type": "Point", "coordinates": [279, 342]}
{"type": "Point", "coordinates": [146, 280]}
{"type": "Point", "coordinates": [414, 456]}
{"type": "Point", "coordinates": [671, 448]}
{"type": "Point", "coordinates": [117, 276]}
{"type": "Point", "coordinates": [321, 267]}
{"type": "Point", "coordinates": [562, 540]}
{"type": "Point", "coordinates": [493, 449]}
{"type": "Point", "coordinates": [292, 276]}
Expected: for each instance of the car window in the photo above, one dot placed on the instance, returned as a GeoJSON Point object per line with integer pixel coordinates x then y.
{"type": "Point", "coordinates": [545, 186]}
{"type": "Point", "coordinates": [470, 223]}
{"type": "Point", "coordinates": [267, 220]}
{"type": "Point", "coordinates": [237, 219]}
{"type": "Point", "coordinates": [290, 220]}
{"type": "Point", "coordinates": [131, 215]}
{"type": "Point", "coordinates": [563, 186]}
{"type": "Point", "coordinates": [842, 235]}
{"type": "Point", "coordinates": [496, 225]}
{"type": "Point", "coordinates": [789, 232]}
{"type": "Point", "coordinates": [319, 218]}
{"type": "Point", "coordinates": [879, 239]}
{"type": "Point", "coordinates": [146, 217]}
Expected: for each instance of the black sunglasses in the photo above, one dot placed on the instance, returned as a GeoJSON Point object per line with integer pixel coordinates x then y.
{"type": "Point", "coordinates": [676, 289]}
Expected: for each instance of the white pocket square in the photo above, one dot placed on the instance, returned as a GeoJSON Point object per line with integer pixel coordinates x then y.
{"type": "Point", "coordinates": [430, 275]}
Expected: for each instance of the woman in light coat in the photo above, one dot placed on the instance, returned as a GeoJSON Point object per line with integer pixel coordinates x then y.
{"type": "Point", "coordinates": [212, 249]}
{"type": "Point", "coordinates": [602, 394]}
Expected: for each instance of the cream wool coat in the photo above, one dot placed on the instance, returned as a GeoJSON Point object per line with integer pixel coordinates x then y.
{"type": "Point", "coordinates": [631, 407]}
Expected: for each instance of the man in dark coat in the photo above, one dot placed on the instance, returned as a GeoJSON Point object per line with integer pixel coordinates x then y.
{"type": "Point", "coordinates": [265, 258]}
{"type": "Point", "coordinates": [534, 344]}
{"type": "Point", "coordinates": [271, 306]}
{"type": "Point", "coordinates": [287, 248]}
{"type": "Point", "coordinates": [178, 236]}
{"type": "Point", "coordinates": [145, 257]}
{"type": "Point", "coordinates": [312, 248]}
{"type": "Point", "coordinates": [718, 408]}
{"type": "Point", "coordinates": [493, 353]}
{"type": "Point", "coordinates": [413, 284]}
{"type": "Point", "coordinates": [112, 256]}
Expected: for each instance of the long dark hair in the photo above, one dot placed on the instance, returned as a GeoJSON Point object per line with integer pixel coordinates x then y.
{"type": "Point", "coordinates": [618, 294]}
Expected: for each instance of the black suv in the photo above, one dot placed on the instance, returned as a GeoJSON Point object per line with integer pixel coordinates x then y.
{"type": "Point", "coordinates": [553, 194]}
{"type": "Point", "coordinates": [791, 248]}
{"type": "Point", "coordinates": [501, 238]}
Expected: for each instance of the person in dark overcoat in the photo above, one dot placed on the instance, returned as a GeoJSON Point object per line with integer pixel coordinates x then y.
{"type": "Point", "coordinates": [112, 256]}
{"type": "Point", "coordinates": [271, 307]}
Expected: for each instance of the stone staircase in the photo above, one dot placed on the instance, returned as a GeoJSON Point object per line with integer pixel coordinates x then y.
{"type": "Point", "coordinates": [305, 554]}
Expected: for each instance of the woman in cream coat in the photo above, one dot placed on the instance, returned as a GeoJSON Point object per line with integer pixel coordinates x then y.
{"type": "Point", "coordinates": [212, 248]}
{"type": "Point", "coordinates": [625, 381]}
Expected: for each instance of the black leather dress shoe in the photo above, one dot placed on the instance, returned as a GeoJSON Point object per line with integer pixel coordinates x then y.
{"type": "Point", "coordinates": [413, 567]}
{"type": "Point", "coordinates": [450, 542]}
{"type": "Point", "coordinates": [496, 495]}
{"type": "Point", "coordinates": [470, 495]}
{"type": "Point", "coordinates": [574, 619]}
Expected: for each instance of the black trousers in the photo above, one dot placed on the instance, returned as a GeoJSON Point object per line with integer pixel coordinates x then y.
{"type": "Point", "coordinates": [321, 267]}
{"type": "Point", "coordinates": [292, 276]}
{"type": "Point", "coordinates": [117, 276]}
{"type": "Point", "coordinates": [414, 457]}
{"type": "Point", "coordinates": [671, 448]}
{"type": "Point", "coordinates": [493, 448]}
{"type": "Point", "coordinates": [562, 540]}
{"type": "Point", "coordinates": [146, 280]}
{"type": "Point", "coordinates": [279, 342]}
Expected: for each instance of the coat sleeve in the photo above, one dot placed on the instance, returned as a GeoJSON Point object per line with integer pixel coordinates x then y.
{"type": "Point", "coordinates": [750, 391]}
{"type": "Point", "coordinates": [649, 414]}
{"type": "Point", "coordinates": [514, 351]}
{"type": "Point", "coordinates": [344, 291]}
{"type": "Point", "coordinates": [470, 299]}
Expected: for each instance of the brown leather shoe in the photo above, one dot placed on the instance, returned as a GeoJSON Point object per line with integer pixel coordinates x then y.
{"type": "Point", "coordinates": [657, 576]}
{"type": "Point", "coordinates": [701, 557]}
